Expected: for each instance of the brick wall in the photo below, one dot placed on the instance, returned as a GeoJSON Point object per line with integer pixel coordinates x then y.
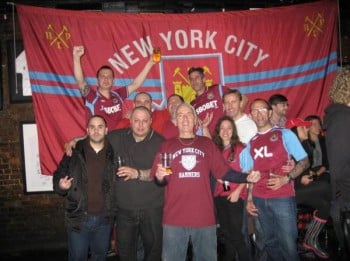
{"type": "Point", "coordinates": [27, 221]}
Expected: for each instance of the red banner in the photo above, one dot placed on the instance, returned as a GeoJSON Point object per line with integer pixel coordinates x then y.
{"type": "Point", "coordinates": [289, 50]}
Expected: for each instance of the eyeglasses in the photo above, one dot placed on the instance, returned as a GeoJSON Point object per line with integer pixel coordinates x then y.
{"type": "Point", "coordinates": [255, 112]}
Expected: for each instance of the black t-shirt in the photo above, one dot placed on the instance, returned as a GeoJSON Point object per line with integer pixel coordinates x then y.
{"type": "Point", "coordinates": [136, 194]}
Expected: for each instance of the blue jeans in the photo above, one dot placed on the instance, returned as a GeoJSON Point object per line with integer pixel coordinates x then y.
{"type": "Point", "coordinates": [277, 227]}
{"type": "Point", "coordinates": [135, 224]}
{"type": "Point", "coordinates": [175, 243]}
{"type": "Point", "coordinates": [95, 233]}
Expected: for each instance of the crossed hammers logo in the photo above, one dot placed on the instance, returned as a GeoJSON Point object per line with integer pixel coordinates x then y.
{"type": "Point", "coordinates": [58, 38]}
{"type": "Point", "coordinates": [313, 27]}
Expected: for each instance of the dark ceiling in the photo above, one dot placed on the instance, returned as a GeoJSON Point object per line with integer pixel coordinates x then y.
{"type": "Point", "coordinates": [169, 6]}
{"type": "Point", "coordinates": [177, 6]}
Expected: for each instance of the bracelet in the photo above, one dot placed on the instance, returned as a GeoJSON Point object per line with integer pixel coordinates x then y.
{"type": "Point", "coordinates": [138, 174]}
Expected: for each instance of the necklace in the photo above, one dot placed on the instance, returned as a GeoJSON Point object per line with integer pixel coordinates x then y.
{"type": "Point", "coordinates": [191, 140]}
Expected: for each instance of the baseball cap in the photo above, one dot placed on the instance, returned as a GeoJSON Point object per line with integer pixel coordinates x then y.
{"type": "Point", "coordinates": [297, 122]}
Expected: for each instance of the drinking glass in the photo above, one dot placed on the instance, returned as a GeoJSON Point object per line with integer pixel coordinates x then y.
{"type": "Point", "coordinates": [156, 55]}
{"type": "Point", "coordinates": [165, 160]}
{"type": "Point", "coordinates": [120, 162]}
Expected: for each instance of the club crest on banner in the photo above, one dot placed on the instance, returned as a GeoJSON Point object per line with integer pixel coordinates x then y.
{"type": "Point", "coordinates": [58, 38]}
{"type": "Point", "coordinates": [313, 26]}
{"type": "Point", "coordinates": [176, 68]}
{"type": "Point", "coordinates": [188, 161]}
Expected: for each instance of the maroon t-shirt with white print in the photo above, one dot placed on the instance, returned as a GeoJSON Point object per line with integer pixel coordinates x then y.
{"type": "Point", "coordinates": [188, 199]}
{"type": "Point", "coordinates": [210, 102]}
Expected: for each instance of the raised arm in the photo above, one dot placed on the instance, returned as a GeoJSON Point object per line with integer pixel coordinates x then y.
{"type": "Point", "coordinates": [141, 77]}
{"type": "Point", "coordinates": [78, 52]}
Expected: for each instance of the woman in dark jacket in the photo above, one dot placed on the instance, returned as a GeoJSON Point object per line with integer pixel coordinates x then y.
{"type": "Point", "coordinates": [320, 166]}
{"type": "Point", "coordinates": [311, 191]}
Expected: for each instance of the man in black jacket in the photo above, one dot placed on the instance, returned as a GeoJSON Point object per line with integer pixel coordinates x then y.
{"type": "Point", "coordinates": [85, 180]}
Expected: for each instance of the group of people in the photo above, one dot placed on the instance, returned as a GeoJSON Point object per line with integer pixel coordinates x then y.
{"type": "Point", "coordinates": [227, 168]}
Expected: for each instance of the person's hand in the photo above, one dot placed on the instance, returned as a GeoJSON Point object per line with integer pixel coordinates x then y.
{"type": "Point", "coordinates": [307, 179]}
{"type": "Point", "coordinates": [127, 173]}
{"type": "Point", "coordinates": [65, 183]}
{"type": "Point", "coordinates": [321, 171]}
{"type": "Point", "coordinates": [207, 120]}
{"type": "Point", "coordinates": [151, 61]}
{"type": "Point", "coordinates": [254, 176]}
{"type": "Point", "coordinates": [287, 168]}
{"type": "Point", "coordinates": [220, 181]}
{"type": "Point", "coordinates": [204, 124]}
{"type": "Point", "coordinates": [275, 181]}
{"type": "Point", "coordinates": [78, 51]}
{"type": "Point", "coordinates": [161, 172]}
{"type": "Point", "coordinates": [234, 196]}
{"type": "Point", "coordinates": [69, 146]}
{"type": "Point", "coordinates": [251, 209]}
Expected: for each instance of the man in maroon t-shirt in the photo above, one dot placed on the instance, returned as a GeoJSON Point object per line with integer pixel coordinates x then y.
{"type": "Point", "coordinates": [188, 201]}
{"type": "Point", "coordinates": [105, 101]}
{"type": "Point", "coordinates": [208, 99]}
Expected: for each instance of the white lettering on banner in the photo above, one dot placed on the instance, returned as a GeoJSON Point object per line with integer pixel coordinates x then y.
{"type": "Point", "coordinates": [118, 63]}
{"type": "Point", "coordinates": [260, 57]}
{"type": "Point", "coordinates": [144, 47]}
{"type": "Point", "coordinates": [130, 54]}
{"type": "Point", "coordinates": [262, 153]}
{"type": "Point", "coordinates": [166, 39]}
{"type": "Point", "coordinates": [207, 106]}
{"type": "Point", "coordinates": [209, 40]}
{"type": "Point", "coordinates": [196, 36]}
{"type": "Point", "coordinates": [230, 48]}
{"type": "Point", "coordinates": [110, 110]}
{"type": "Point", "coordinates": [189, 175]}
{"type": "Point", "coordinates": [182, 39]}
